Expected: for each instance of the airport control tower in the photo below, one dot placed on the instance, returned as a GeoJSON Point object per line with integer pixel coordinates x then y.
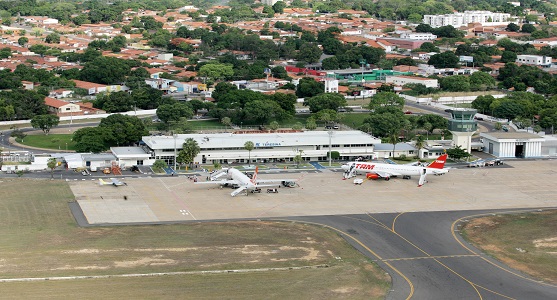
{"type": "Point", "coordinates": [462, 125]}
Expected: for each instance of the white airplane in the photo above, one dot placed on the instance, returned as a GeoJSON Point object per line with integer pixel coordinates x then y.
{"type": "Point", "coordinates": [386, 171]}
{"type": "Point", "coordinates": [242, 182]}
{"type": "Point", "coordinates": [114, 182]}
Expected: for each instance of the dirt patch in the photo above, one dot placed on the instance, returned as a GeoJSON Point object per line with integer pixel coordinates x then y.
{"type": "Point", "coordinates": [545, 243]}
{"type": "Point", "coordinates": [145, 261]}
{"type": "Point", "coordinates": [479, 222]}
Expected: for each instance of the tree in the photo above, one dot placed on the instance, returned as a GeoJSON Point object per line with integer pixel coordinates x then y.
{"type": "Point", "coordinates": [226, 121]}
{"type": "Point", "coordinates": [309, 87]}
{"type": "Point", "coordinates": [93, 139]}
{"type": "Point", "coordinates": [51, 164]}
{"type": "Point", "coordinates": [444, 60]}
{"type": "Point", "coordinates": [22, 41]}
{"type": "Point", "coordinates": [45, 122]}
{"type": "Point", "coordinates": [190, 149]}
{"type": "Point", "coordinates": [274, 125]}
{"type": "Point", "coordinates": [385, 99]}
{"type": "Point", "coordinates": [105, 70]}
{"type": "Point", "coordinates": [168, 113]}
{"type": "Point", "coordinates": [508, 56]}
{"type": "Point", "coordinates": [508, 110]}
{"type": "Point", "coordinates": [498, 126]}
{"type": "Point", "coordinates": [387, 123]}
{"type": "Point", "coordinates": [429, 47]}
{"type": "Point", "coordinates": [513, 27]}
{"type": "Point", "coordinates": [126, 130]}
{"type": "Point", "coordinates": [310, 124]}
{"type": "Point", "coordinates": [298, 159]}
{"type": "Point", "coordinates": [457, 153]}
{"type": "Point", "coordinates": [455, 83]}
{"type": "Point", "coordinates": [481, 81]}
{"type": "Point", "coordinates": [528, 28]}
{"type": "Point", "coordinates": [332, 101]}
{"type": "Point", "coordinates": [420, 143]}
{"type": "Point", "coordinates": [483, 103]}
{"type": "Point", "coordinates": [159, 165]}
{"type": "Point", "coordinates": [53, 38]}
{"type": "Point", "coordinates": [249, 146]}
{"type": "Point", "coordinates": [216, 71]}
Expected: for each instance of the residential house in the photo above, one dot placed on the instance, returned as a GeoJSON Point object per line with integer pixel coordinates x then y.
{"type": "Point", "coordinates": [62, 108]}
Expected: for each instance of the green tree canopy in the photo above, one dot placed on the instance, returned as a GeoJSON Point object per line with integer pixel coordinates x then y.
{"type": "Point", "coordinates": [332, 101]}
{"type": "Point", "coordinates": [189, 151]}
{"type": "Point", "coordinates": [45, 122]}
{"type": "Point", "coordinates": [384, 99]}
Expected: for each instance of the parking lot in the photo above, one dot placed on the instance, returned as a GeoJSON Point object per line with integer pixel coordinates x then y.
{"type": "Point", "coordinates": [515, 184]}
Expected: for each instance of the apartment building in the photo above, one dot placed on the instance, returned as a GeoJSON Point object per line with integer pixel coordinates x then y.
{"type": "Point", "coordinates": [464, 18]}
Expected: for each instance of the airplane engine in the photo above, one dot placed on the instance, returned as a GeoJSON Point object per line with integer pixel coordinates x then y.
{"type": "Point", "coordinates": [372, 176]}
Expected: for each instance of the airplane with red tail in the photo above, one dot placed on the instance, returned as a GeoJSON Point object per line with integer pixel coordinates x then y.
{"type": "Point", "coordinates": [242, 183]}
{"type": "Point", "coordinates": [386, 171]}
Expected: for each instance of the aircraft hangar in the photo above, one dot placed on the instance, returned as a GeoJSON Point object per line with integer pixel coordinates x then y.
{"type": "Point", "coordinates": [512, 144]}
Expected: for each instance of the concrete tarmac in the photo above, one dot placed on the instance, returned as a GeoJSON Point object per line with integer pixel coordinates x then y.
{"type": "Point", "coordinates": [517, 184]}
{"type": "Point", "coordinates": [410, 232]}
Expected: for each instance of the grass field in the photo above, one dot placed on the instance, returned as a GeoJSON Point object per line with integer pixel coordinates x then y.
{"type": "Point", "coordinates": [51, 141]}
{"type": "Point", "coordinates": [527, 242]}
{"type": "Point", "coordinates": [41, 239]}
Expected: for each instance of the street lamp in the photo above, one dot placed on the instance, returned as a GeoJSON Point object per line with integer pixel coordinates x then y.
{"type": "Point", "coordinates": [175, 156]}
{"type": "Point", "coordinates": [330, 132]}
{"type": "Point", "coordinates": [66, 146]}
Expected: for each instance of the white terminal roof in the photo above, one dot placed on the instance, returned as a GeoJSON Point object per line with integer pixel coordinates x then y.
{"type": "Point", "coordinates": [275, 139]}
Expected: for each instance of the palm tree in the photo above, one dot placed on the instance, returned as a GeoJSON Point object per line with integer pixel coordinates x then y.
{"type": "Point", "coordinates": [249, 146]}
{"type": "Point", "coordinates": [298, 158]}
{"type": "Point", "coordinates": [189, 151]}
{"type": "Point", "coordinates": [393, 138]}
{"type": "Point", "coordinates": [420, 143]}
{"type": "Point", "coordinates": [51, 164]}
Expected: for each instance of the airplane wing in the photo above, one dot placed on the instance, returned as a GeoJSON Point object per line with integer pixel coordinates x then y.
{"type": "Point", "coordinates": [218, 182]}
{"type": "Point", "coordinates": [274, 180]}
{"type": "Point", "coordinates": [238, 190]}
{"type": "Point", "coordinates": [386, 174]}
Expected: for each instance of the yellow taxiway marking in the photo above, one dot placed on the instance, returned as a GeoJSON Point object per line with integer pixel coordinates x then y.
{"type": "Point", "coordinates": [430, 257]}
{"type": "Point", "coordinates": [487, 260]}
{"type": "Point", "coordinates": [365, 247]}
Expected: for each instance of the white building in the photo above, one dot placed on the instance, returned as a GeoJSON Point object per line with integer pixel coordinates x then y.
{"type": "Point", "coordinates": [228, 148]}
{"type": "Point", "coordinates": [403, 80]}
{"type": "Point", "coordinates": [535, 60]}
{"type": "Point", "coordinates": [464, 18]}
{"type": "Point", "coordinates": [420, 36]}
{"type": "Point", "coordinates": [269, 2]}
{"type": "Point", "coordinates": [512, 144]}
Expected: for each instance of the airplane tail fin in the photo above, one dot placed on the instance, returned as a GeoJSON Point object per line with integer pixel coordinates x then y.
{"type": "Point", "coordinates": [254, 178]}
{"type": "Point", "coordinates": [102, 182]}
{"type": "Point", "coordinates": [439, 163]}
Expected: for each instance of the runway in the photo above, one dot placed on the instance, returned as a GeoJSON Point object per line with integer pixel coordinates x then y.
{"type": "Point", "coordinates": [427, 259]}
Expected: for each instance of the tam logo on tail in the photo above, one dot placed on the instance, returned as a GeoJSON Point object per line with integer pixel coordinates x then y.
{"type": "Point", "coordinates": [439, 163]}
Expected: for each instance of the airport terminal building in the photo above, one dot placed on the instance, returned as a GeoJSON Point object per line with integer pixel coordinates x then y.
{"type": "Point", "coordinates": [277, 146]}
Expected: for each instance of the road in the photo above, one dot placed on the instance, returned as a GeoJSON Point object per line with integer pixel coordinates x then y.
{"type": "Point", "coordinates": [5, 136]}
{"type": "Point", "coordinates": [427, 258]}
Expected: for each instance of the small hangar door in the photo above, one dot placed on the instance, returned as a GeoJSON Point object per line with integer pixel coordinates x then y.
{"type": "Point", "coordinates": [519, 150]}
